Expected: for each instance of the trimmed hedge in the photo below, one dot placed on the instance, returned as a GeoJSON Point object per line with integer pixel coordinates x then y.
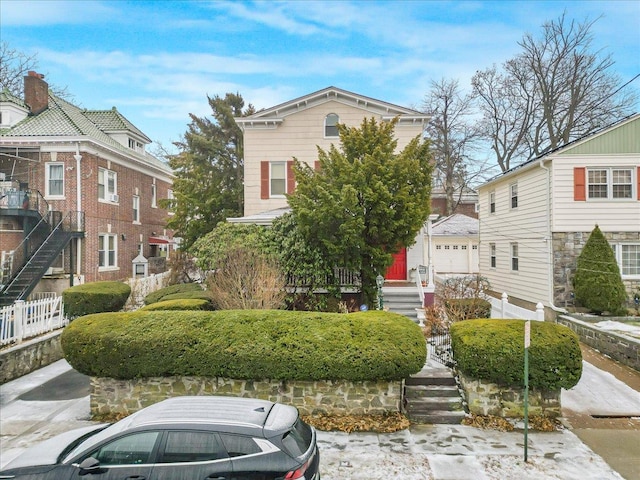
{"type": "Point", "coordinates": [246, 344]}
{"type": "Point", "coordinates": [493, 350]}
{"type": "Point", "coordinates": [179, 304]}
{"type": "Point", "coordinates": [173, 292]}
{"type": "Point", "coordinates": [95, 297]}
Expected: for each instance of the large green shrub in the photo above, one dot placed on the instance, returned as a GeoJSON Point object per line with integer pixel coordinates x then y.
{"type": "Point", "coordinates": [597, 282]}
{"type": "Point", "coordinates": [493, 350]}
{"type": "Point", "coordinates": [180, 304]}
{"type": "Point", "coordinates": [173, 292]}
{"type": "Point", "coordinates": [246, 344]}
{"type": "Point", "coordinates": [95, 297]}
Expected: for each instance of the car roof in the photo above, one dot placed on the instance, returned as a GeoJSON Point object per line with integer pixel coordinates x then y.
{"type": "Point", "coordinates": [204, 409]}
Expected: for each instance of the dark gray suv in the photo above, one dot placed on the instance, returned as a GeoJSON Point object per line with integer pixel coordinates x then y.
{"type": "Point", "coordinates": [182, 438]}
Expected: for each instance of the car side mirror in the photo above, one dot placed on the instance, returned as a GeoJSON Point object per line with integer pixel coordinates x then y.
{"type": "Point", "coordinates": [89, 465]}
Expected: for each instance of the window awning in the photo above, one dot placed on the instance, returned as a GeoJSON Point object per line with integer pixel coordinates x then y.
{"type": "Point", "coordinates": [160, 241]}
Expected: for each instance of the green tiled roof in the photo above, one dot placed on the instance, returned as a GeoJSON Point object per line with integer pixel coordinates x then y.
{"type": "Point", "coordinates": [7, 96]}
{"type": "Point", "coordinates": [63, 119]}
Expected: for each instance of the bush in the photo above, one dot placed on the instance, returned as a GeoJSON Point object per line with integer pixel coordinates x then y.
{"type": "Point", "coordinates": [466, 308]}
{"type": "Point", "coordinates": [95, 297]}
{"type": "Point", "coordinates": [597, 282]}
{"type": "Point", "coordinates": [246, 344]}
{"type": "Point", "coordinates": [180, 290]}
{"type": "Point", "coordinates": [493, 350]}
{"type": "Point", "coordinates": [180, 304]}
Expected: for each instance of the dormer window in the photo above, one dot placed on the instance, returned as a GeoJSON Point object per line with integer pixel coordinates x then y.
{"type": "Point", "coordinates": [331, 125]}
{"type": "Point", "coordinates": [135, 145]}
{"type": "Point", "coordinates": [132, 144]}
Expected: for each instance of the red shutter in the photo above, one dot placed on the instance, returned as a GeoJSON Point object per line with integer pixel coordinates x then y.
{"type": "Point", "coordinates": [264, 180]}
{"type": "Point", "coordinates": [579, 184]}
{"type": "Point", "coordinates": [291, 177]}
{"type": "Point", "coordinates": [638, 182]}
{"type": "Point", "coordinates": [316, 165]}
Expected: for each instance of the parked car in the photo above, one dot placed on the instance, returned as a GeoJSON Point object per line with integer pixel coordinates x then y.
{"type": "Point", "coordinates": [182, 438]}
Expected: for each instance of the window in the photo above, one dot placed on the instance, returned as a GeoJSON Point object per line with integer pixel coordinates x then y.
{"type": "Point", "coordinates": [628, 257]}
{"type": "Point", "coordinates": [107, 185]}
{"type": "Point", "coordinates": [331, 125]}
{"type": "Point", "coordinates": [492, 202]}
{"type": "Point", "coordinates": [54, 180]}
{"type": "Point", "coordinates": [136, 209]}
{"type": "Point", "coordinates": [107, 251]}
{"type": "Point", "coordinates": [192, 447]}
{"type": "Point", "coordinates": [514, 195]}
{"type": "Point", "coordinates": [610, 183]}
{"type": "Point", "coordinates": [154, 195]}
{"type": "Point", "coordinates": [238, 446]}
{"type": "Point", "coordinates": [131, 449]}
{"type": "Point", "coordinates": [514, 257]}
{"type": "Point", "coordinates": [492, 253]}
{"type": "Point", "coordinates": [171, 203]}
{"type": "Point", "coordinates": [278, 178]}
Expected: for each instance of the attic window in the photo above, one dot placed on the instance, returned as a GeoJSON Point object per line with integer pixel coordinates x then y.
{"type": "Point", "coordinates": [132, 144]}
{"type": "Point", "coordinates": [331, 125]}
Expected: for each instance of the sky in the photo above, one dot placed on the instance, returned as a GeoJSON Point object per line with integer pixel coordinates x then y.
{"type": "Point", "coordinates": [157, 61]}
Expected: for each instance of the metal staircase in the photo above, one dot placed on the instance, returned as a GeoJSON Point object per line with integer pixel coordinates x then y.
{"type": "Point", "coordinates": [38, 251]}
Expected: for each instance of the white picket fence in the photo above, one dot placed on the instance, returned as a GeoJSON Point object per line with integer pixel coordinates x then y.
{"type": "Point", "coordinates": [501, 308]}
{"type": "Point", "coordinates": [24, 320]}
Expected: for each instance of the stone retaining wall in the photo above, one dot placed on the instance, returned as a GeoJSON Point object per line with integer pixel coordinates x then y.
{"type": "Point", "coordinates": [112, 397]}
{"type": "Point", "coordinates": [618, 346]}
{"type": "Point", "coordinates": [485, 398]}
{"type": "Point", "coordinates": [29, 356]}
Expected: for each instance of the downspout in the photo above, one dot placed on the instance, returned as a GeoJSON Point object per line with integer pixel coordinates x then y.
{"type": "Point", "coordinates": [549, 240]}
{"type": "Point", "coordinates": [78, 157]}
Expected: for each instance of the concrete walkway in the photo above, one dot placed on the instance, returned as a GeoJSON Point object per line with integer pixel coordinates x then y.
{"type": "Point", "coordinates": [39, 405]}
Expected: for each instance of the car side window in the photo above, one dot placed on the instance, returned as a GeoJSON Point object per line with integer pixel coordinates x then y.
{"type": "Point", "coordinates": [191, 446]}
{"type": "Point", "coordinates": [132, 449]}
{"type": "Point", "coordinates": [238, 446]}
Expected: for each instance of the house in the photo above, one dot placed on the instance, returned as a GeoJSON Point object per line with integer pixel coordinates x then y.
{"type": "Point", "coordinates": [79, 195]}
{"type": "Point", "coordinates": [455, 245]}
{"type": "Point", "coordinates": [536, 218]}
{"type": "Point", "coordinates": [272, 137]}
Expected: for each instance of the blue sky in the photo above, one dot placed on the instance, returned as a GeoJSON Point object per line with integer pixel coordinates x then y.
{"type": "Point", "coordinates": [157, 60]}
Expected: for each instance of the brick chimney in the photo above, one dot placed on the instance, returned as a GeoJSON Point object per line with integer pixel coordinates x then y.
{"type": "Point", "coordinates": [36, 92]}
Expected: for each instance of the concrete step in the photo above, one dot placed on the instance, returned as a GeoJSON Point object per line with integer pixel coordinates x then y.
{"type": "Point", "coordinates": [415, 380]}
{"type": "Point", "coordinates": [421, 391]}
{"type": "Point", "coordinates": [442, 418]}
{"type": "Point", "coordinates": [431, 404]}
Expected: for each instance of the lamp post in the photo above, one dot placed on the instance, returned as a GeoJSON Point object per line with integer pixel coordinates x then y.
{"type": "Point", "coordinates": [379, 284]}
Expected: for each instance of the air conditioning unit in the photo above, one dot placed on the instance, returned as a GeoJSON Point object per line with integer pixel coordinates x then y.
{"type": "Point", "coordinates": [114, 198]}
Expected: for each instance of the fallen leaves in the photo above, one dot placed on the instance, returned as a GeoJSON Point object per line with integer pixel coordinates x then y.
{"type": "Point", "coordinates": [490, 422]}
{"type": "Point", "coordinates": [387, 423]}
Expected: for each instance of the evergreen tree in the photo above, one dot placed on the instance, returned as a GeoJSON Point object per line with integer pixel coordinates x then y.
{"type": "Point", "coordinates": [209, 170]}
{"type": "Point", "coordinates": [366, 201]}
{"type": "Point", "coordinates": [597, 283]}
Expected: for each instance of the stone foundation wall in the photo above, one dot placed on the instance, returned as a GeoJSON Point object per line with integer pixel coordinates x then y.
{"type": "Point", "coordinates": [566, 248]}
{"type": "Point", "coordinates": [29, 356]}
{"type": "Point", "coordinates": [484, 398]}
{"type": "Point", "coordinates": [620, 347]}
{"type": "Point", "coordinates": [123, 397]}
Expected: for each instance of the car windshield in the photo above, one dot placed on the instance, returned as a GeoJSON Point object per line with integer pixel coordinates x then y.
{"type": "Point", "coordinates": [298, 440]}
{"type": "Point", "coordinates": [93, 440]}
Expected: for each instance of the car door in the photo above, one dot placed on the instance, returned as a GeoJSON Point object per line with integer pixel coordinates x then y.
{"type": "Point", "coordinates": [191, 455]}
{"type": "Point", "coordinates": [126, 457]}
{"type": "Point", "coordinates": [254, 458]}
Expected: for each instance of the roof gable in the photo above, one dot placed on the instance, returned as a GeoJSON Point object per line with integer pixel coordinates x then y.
{"type": "Point", "coordinates": [378, 107]}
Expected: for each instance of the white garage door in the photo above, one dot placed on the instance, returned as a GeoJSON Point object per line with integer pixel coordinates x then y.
{"type": "Point", "coordinates": [451, 258]}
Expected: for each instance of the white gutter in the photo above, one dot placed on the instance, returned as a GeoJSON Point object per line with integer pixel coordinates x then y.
{"type": "Point", "coordinates": [549, 240]}
{"type": "Point", "coordinates": [78, 157]}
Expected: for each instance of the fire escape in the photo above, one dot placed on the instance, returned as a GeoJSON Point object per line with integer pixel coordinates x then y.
{"type": "Point", "coordinates": [46, 234]}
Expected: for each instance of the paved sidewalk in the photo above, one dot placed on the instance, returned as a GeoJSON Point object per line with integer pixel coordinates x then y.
{"type": "Point", "coordinates": [53, 399]}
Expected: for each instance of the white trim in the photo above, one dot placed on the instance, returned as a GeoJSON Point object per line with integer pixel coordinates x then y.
{"type": "Point", "coordinates": [47, 179]}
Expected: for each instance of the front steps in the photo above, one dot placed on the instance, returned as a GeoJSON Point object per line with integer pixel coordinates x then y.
{"type": "Point", "coordinates": [402, 300]}
{"type": "Point", "coordinates": [432, 396]}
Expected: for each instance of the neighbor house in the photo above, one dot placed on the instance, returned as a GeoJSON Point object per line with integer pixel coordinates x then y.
{"type": "Point", "coordinates": [536, 218]}
{"type": "Point", "coordinates": [274, 136]}
{"type": "Point", "coordinates": [79, 195]}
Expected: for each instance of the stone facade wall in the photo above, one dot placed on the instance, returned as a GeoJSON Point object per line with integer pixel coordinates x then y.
{"type": "Point", "coordinates": [485, 398]}
{"type": "Point", "coordinates": [566, 248]}
{"type": "Point", "coordinates": [622, 348]}
{"type": "Point", "coordinates": [29, 356]}
{"type": "Point", "coordinates": [123, 397]}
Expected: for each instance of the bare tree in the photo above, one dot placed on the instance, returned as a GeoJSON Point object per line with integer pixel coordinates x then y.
{"type": "Point", "coordinates": [557, 89]}
{"type": "Point", "coordinates": [14, 66]}
{"type": "Point", "coordinates": [453, 137]}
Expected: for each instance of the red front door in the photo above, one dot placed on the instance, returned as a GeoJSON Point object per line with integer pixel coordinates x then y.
{"type": "Point", "coordinates": [398, 269]}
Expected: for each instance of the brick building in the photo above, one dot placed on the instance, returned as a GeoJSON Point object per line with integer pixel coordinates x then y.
{"type": "Point", "coordinates": [82, 171]}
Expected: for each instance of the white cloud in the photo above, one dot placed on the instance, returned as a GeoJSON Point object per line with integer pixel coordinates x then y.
{"type": "Point", "coordinates": [50, 12]}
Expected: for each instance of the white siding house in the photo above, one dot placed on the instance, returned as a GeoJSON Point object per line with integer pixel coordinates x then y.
{"type": "Point", "coordinates": [535, 218]}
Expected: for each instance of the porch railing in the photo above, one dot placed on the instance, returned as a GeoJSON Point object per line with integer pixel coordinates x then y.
{"type": "Point", "coordinates": [24, 320]}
